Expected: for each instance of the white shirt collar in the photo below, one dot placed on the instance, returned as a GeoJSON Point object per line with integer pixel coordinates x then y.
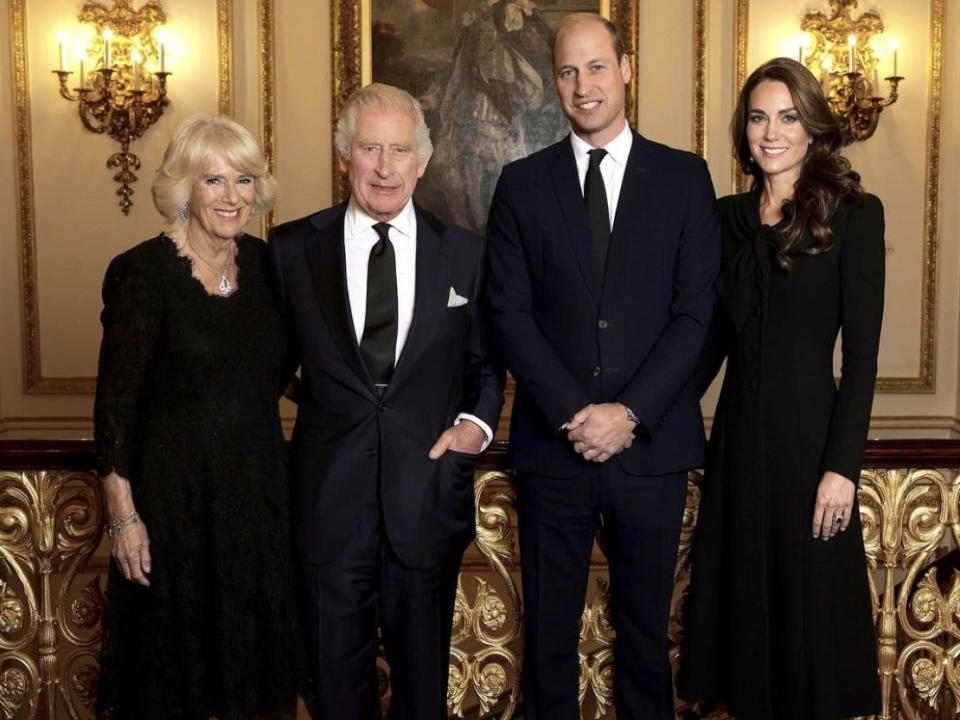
{"type": "Point", "coordinates": [618, 148]}
{"type": "Point", "coordinates": [358, 222]}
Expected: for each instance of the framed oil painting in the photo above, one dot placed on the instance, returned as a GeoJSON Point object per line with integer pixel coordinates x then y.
{"type": "Point", "coordinates": [482, 70]}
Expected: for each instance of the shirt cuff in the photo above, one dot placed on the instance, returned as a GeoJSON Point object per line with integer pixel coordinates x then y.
{"type": "Point", "coordinates": [480, 424]}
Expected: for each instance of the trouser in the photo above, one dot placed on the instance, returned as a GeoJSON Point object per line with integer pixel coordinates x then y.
{"type": "Point", "coordinates": [558, 519]}
{"type": "Point", "coordinates": [366, 587]}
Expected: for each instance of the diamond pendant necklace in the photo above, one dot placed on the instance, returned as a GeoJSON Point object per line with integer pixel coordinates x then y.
{"type": "Point", "coordinates": [225, 287]}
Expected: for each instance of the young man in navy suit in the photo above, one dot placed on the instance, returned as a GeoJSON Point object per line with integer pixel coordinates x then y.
{"type": "Point", "coordinates": [603, 250]}
{"type": "Point", "coordinates": [397, 398]}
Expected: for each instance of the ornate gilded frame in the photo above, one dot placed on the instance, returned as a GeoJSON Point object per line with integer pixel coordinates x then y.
{"type": "Point", "coordinates": [925, 380]}
{"type": "Point", "coordinates": [701, 21]}
{"type": "Point", "coordinates": [34, 381]}
{"type": "Point", "coordinates": [266, 35]}
{"type": "Point", "coordinates": [352, 62]}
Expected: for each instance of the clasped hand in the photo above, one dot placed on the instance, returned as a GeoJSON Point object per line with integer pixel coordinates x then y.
{"type": "Point", "coordinates": [598, 432]}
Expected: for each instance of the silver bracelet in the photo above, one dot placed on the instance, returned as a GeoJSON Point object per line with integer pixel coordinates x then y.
{"type": "Point", "coordinates": [118, 526]}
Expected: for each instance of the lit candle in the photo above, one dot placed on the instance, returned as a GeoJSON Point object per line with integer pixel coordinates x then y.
{"type": "Point", "coordinates": [800, 54]}
{"type": "Point", "coordinates": [876, 82]}
{"type": "Point", "coordinates": [107, 35]}
{"type": "Point", "coordinates": [163, 57]}
{"type": "Point", "coordinates": [81, 73]}
{"type": "Point", "coordinates": [60, 39]}
{"type": "Point", "coordinates": [852, 43]}
{"type": "Point", "coordinates": [826, 65]}
{"type": "Point", "coordinates": [135, 57]}
{"type": "Point", "coordinates": [896, 47]}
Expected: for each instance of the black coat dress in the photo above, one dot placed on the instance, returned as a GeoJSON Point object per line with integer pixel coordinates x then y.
{"type": "Point", "coordinates": [779, 625]}
{"type": "Point", "coordinates": [187, 411]}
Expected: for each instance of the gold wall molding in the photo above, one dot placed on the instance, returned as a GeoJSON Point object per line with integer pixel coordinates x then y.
{"type": "Point", "coordinates": [225, 56]}
{"type": "Point", "coordinates": [925, 380]}
{"type": "Point", "coordinates": [266, 35]}
{"type": "Point", "coordinates": [34, 381]}
{"type": "Point", "coordinates": [701, 23]}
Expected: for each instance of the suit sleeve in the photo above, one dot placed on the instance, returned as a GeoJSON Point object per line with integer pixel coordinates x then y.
{"type": "Point", "coordinates": [672, 362]}
{"type": "Point", "coordinates": [484, 376]}
{"type": "Point", "coordinates": [862, 260]}
{"type": "Point", "coordinates": [526, 351]}
{"type": "Point", "coordinates": [275, 280]}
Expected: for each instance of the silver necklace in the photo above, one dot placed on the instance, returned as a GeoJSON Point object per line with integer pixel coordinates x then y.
{"type": "Point", "coordinates": [225, 287]}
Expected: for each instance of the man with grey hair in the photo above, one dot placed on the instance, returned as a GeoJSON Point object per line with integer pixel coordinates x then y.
{"type": "Point", "coordinates": [397, 399]}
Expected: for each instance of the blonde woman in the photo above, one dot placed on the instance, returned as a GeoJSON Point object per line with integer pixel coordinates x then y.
{"type": "Point", "coordinates": [199, 621]}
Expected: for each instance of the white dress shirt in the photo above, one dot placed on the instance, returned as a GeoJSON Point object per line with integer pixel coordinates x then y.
{"type": "Point", "coordinates": [611, 167]}
{"type": "Point", "coordinates": [359, 237]}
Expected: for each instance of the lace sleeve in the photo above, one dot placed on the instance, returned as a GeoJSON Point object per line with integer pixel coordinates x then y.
{"type": "Point", "coordinates": [131, 321]}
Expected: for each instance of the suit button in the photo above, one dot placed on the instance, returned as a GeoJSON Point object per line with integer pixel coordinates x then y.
{"type": "Point", "coordinates": [603, 324]}
{"type": "Point", "coordinates": [382, 408]}
{"type": "Point", "coordinates": [596, 372]}
{"type": "Point", "coordinates": [371, 452]}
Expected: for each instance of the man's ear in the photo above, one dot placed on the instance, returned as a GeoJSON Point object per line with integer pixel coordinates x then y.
{"type": "Point", "coordinates": [625, 68]}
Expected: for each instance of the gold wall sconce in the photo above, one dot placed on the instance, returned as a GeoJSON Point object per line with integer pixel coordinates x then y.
{"type": "Point", "coordinates": [840, 51]}
{"type": "Point", "coordinates": [122, 88]}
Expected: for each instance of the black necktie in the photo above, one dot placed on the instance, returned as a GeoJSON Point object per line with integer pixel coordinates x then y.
{"type": "Point", "coordinates": [595, 194]}
{"type": "Point", "coordinates": [379, 342]}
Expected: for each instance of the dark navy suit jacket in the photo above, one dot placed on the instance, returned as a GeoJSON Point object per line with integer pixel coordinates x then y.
{"type": "Point", "coordinates": [570, 337]}
{"type": "Point", "coordinates": [346, 435]}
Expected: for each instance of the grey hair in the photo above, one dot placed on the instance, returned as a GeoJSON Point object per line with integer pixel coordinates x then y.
{"type": "Point", "coordinates": [384, 96]}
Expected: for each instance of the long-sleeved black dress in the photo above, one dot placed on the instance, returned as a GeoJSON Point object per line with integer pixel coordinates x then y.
{"type": "Point", "coordinates": [778, 625]}
{"type": "Point", "coordinates": [186, 409]}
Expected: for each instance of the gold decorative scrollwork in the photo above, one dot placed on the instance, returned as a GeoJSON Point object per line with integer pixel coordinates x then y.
{"type": "Point", "coordinates": [50, 525]}
{"type": "Point", "coordinates": [49, 630]}
{"type": "Point", "coordinates": [484, 660]}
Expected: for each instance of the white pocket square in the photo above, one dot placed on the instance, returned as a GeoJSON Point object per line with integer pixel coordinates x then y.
{"type": "Point", "coordinates": [456, 300]}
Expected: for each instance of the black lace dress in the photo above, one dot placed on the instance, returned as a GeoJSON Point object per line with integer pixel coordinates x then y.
{"type": "Point", "coordinates": [186, 409]}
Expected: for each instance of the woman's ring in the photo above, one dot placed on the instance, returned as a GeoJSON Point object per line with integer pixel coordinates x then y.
{"type": "Point", "coordinates": [838, 519]}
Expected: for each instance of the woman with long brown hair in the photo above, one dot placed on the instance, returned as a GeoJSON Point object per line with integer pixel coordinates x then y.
{"type": "Point", "coordinates": [778, 622]}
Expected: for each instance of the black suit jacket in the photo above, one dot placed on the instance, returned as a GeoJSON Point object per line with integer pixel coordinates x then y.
{"type": "Point", "coordinates": [571, 338]}
{"type": "Point", "coordinates": [345, 434]}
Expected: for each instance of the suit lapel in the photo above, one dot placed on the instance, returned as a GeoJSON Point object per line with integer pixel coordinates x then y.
{"type": "Point", "coordinates": [566, 184]}
{"type": "Point", "coordinates": [430, 296]}
{"type": "Point", "coordinates": [325, 255]}
{"type": "Point", "coordinates": [636, 187]}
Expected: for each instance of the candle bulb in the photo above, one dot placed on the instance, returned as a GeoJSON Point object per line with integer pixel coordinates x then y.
{"type": "Point", "coordinates": [60, 39]}
{"type": "Point", "coordinates": [826, 65]}
{"type": "Point", "coordinates": [135, 58]}
{"type": "Point", "coordinates": [876, 82]}
{"type": "Point", "coordinates": [81, 73]}
{"type": "Point", "coordinates": [163, 57]}
{"type": "Point", "coordinates": [107, 35]}
{"type": "Point", "coordinates": [852, 43]}
{"type": "Point", "coordinates": [800, 54]}
{"type": "Point", "coordinates": [896, 47]}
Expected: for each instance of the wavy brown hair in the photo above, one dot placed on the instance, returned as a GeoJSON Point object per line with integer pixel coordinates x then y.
{"type": "Point", "coordinates": [825, 175]}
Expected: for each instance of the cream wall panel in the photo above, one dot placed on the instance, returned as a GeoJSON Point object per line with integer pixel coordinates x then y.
{"type": "Point", "coordinates": [89, 229]}
{"type": "Point", "coordinates": [895, 171]}
{"type": "Point", "coordinates": [664, 66]}
{"type": "Point", "coordinates": [304, 148]}
{"type": "Point", "coordinates": [78, 224]}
